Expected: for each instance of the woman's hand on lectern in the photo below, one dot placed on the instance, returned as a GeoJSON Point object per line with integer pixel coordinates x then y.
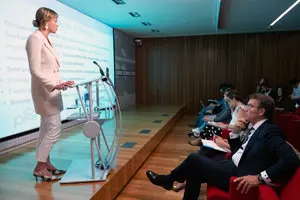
{"type": "Point", "coordinates": [68, 83]}
{"type": "Point", "coordinates": [64, 85]}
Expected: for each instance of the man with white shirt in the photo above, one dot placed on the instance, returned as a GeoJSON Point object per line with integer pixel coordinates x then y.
{"type": "Point", "coordinates": [262, 157]}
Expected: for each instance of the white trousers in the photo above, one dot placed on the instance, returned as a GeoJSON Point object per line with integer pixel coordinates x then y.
{"type": "Point", "coordinates": [48, 134]}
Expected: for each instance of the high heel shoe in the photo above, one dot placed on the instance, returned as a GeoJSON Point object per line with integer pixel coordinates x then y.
{"type": "Point", "coordinates": [196, 142]}
{"type": "Point", "coordinates": [45, 177]}
{"type": "Point", "coordinates": [57, 172]}
{"type": "Point", "coordinates": [177, 187]}
{"type": "Point", "coordinates": [193, 134]}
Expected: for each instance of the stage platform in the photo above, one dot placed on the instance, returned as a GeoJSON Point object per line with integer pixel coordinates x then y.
{"type": "Point", "coordinates": [143, 129]}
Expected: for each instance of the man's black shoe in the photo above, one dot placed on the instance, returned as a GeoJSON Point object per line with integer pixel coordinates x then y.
{"type": "Point", "coordinates": [160, 180]}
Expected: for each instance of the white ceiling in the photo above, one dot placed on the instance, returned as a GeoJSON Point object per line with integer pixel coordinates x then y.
{"type": "Point", "coordinates": [190, 17]}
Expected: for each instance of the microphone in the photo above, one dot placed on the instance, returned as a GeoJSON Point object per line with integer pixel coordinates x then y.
{"type": "Point", "coordinates": [107, 72]}
{"type": "Point", "coordinates": [101, 71]}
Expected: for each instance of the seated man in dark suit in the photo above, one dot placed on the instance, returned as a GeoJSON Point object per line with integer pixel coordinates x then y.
{"type": "Point", "coordinates": [263, 157]}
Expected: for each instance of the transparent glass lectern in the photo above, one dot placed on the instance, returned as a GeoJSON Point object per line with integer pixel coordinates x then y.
{"type": "Point", "coordinates": [103, 126]}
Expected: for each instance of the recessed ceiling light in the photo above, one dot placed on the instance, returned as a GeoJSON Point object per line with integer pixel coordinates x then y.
{"type": "Point", "coordinates": [134, 14]}
{"type": "Point", "coordinates": [146, 23]}
{"type": "Point", "coordinates": [119, 2]}
{"type": "Point", "coordinates": [155, 30]}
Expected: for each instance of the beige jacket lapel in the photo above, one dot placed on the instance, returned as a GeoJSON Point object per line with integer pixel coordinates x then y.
{"type": "Point", "coordinates": [47, 44]}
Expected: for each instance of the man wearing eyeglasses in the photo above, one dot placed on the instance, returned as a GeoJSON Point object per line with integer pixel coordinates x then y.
{"type": "Point", "coordinates": [262, 157]}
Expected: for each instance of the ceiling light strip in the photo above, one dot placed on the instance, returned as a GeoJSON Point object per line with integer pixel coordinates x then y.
{"type": "Point", "coordinates": [285, 12]}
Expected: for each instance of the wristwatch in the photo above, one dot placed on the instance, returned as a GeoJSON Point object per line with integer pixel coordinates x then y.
{"type": "Point", "coordinates": [260, 179]}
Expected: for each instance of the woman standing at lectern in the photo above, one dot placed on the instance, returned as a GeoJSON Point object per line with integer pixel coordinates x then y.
{"type": "Point", "coordinates": [45, 89]}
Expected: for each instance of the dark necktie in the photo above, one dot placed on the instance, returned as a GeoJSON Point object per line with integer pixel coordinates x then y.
{"type": "Point", "coordinates": [247, 135]}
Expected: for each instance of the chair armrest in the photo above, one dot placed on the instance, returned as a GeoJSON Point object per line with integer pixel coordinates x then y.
{"type": "Point", "coordinates": [295, 116]}
{"type": "Point", "coordinates": [236, 195]}
{"type": "Point", "coordinates": [266, 193]}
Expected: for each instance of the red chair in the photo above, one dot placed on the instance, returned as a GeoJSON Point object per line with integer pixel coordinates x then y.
{"type": "Point", "coordinates": [298, 110]}
{"type": "Point", "coordinates": [281, 119]}
{"type": "Point", "coordinates": [264, 192]}
{"type": "Point", "coordinates": [290, 191]}
{"type": "Point", "coordinates": [289, 123]}
{"type": "Point", "coordinates": [214, 193]}
{"type": "Point", "coordinates": [225, 133]}
{"type": "Point", "coordinates": [295, 116]}
{"type": "Point", "coordinates": [293, 132]}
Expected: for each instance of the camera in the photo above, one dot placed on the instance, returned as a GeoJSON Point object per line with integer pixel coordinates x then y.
{"type": "Point", "coordinates": [138, 42]}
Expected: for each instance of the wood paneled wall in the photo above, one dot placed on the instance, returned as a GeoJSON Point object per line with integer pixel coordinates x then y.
{"type": "Point", "coordinates": [185, 70]}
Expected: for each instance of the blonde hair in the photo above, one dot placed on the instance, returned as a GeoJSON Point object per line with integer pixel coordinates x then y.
{"type": "Point", "coordinates": [42, 16]}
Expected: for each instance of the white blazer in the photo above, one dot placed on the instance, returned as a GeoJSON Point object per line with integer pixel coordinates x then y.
{"type": "Point", "coordinates": [44, 69]}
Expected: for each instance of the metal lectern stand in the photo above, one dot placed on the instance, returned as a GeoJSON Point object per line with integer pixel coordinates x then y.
{"type": "Point", "coordinates": [79, 170]}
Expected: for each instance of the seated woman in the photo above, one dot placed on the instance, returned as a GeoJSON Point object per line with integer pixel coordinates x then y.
{"type": "Point", "coordinates": [221, 112]}
{"type": "Point", "coordinates": [238, 112]}
{"type": "Point", "coordinates": [282, 101]}
{"type": "Point", "coordinates": [296, 93]}
{"type": "Point", "coordinates": [264, 88]}
{"type": "Point", "coordinates": [261, 82]}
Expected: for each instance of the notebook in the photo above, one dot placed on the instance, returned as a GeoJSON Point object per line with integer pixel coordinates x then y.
{"type": "Point", "coordinates": [211, 144]}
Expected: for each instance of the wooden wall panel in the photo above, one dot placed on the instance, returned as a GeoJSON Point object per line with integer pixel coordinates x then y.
{"type": "Point", "coordinates": [185, 70]}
